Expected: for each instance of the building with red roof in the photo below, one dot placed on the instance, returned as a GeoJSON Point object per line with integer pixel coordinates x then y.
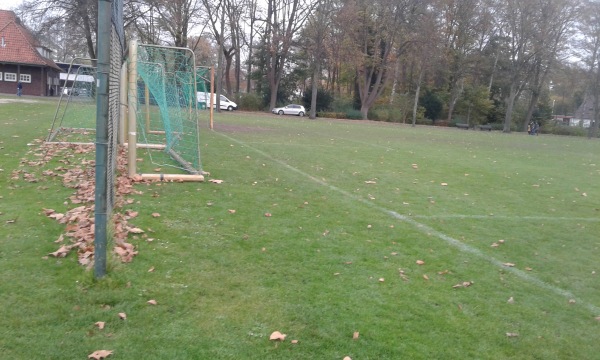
{"type": "Point", "coordinates": [23, 59]}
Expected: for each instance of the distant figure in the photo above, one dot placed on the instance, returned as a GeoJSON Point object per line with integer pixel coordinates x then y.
{"type": "Point", "coordinates": [529, 127]}
{"type": "Point", "coordinates": [534, 128]}
{"type": "Point", "coordinates": [19, 88]}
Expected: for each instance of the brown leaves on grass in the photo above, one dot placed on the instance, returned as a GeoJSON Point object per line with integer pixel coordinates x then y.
{"type": "Point", "coordinates": [100, 324]}
{"type": "Point", "coordinates": [463, 284]}
{"type": "Point", "coordinates": [79, 221]}
{"type": "Point", "coordinates": [277, 336]}
{"type": "Point", "coordinates": [100, 354]}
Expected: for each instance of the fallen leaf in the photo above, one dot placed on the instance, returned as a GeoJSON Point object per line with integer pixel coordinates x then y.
{"type": "Point", "coordinates": [508, 264]}
{"type": "Point", "coordinates": [268, 215]}
{"type": "Point", "coordinates": [231, 211]}
{"type": "Point", "coordinates": [100, 324]}
{"type": "Point", "coordinates": [277, 336]}
{"type": "Point", "coordinates": [463, 284]}
{"type": "Point", "coordinates": [355, 335]}
{"type": "Point", "coordinates": [444, 184]}
{"type": "Point", "coordinates": [100, 354]}
{"type": "Point", "coordinates": [511, 300]}
{"type": "Point", "coordinates": [215, 181]}
{"type": "Point", "coordinates": [572, 301]}
{"type": "Point", "coordinates": [136, 231]}
{"type": "Point", "coordinates": [151, 269]}
{"type": "Point", "coordinates": [155, 215]}
{"type": "Point", "coordinates": [425, 277]}
{"type": "Point", "coordinates": [152, 302]}
{"type": "Point", "coordinates": [512, 334]}
{"type": "Point", "coordinates": [294, 341]}
{"type": "Point", "coordinates": [420, 262]}
{"type": "Point", "coordinates": [381, 279]}
{"type": "Point", "coordinates": [415, 166]}
{"type": "Point", "coordinates": [122, 316]}
{"type": "Point", "coordinates": [370, 182]}
{"type": "Point", "coordinates": [347, 358]}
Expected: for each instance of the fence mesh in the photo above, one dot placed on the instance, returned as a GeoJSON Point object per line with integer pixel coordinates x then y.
{"type": "Point", "coordinates": [117, 46]}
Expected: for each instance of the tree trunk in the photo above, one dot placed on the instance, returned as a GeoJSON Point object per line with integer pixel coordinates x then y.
{"type": "Point", "coordinates": [535, 96]}
{"type": "Point", "coordinates": [364, 110]}
{"type": "Point", "coordinates": [416, 102]}
{"type": "Point", "coordinates": [510, 103]}
{"type": "Point", "coordinates": [315, 88]}
{"type": "Point", "coordinates": [457, 89]}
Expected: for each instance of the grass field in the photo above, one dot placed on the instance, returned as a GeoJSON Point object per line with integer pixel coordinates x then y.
{"type": "Point", "coordinates": [431, 243]}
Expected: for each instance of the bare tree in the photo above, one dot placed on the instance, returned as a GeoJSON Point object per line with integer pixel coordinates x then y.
{"type": "Point", "coordinates": [460, 22]}
{"type": "Point", "coordinates": [379, 33]}
{"type": "Point", "coordinates": [81, 15]}
{"type": "Point", "coordinates": [284, 20]}
{"type": "Point", "coordinates": [314, 35]}
{"type": "Point", "coordinates": [519, 19]}
{"type": "Point", "coordinates": [590, 46]}
{"type": "Point", "coordinates": [557, 18]}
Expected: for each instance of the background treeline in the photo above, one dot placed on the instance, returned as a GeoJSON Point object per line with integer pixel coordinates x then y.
{"type": "Point", "coordinates": [500, 62]}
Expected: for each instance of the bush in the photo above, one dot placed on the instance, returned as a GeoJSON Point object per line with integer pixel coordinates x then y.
{"type": "Point", "coordinates": [324, 100]}
{"type": "Point", "coordinates": [354, 114]}
{"type": "Point", "coordinates": [250, 102]}
{"type": "Point", "coordinates": [561, 129]}
{"type": "Point", "coordinates": [332, 115]}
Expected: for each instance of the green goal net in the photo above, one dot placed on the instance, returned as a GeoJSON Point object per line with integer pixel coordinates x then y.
{"type": "Point", "coordinates": [166, 106]}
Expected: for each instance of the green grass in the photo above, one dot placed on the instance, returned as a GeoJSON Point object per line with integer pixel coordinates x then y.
{"type": "Point", "coordinates": [224, 281]}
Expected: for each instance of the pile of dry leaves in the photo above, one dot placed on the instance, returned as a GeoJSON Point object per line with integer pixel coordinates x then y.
{"type": "Point", "coordinates": [78, 172]}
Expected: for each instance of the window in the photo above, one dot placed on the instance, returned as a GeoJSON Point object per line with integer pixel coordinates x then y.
{"type": "Point", "coordinates": [26, 78]}
{"type": "Point", "coordinates": [10, 77]}
{"type": "Point", "coordinates": [0, 76]}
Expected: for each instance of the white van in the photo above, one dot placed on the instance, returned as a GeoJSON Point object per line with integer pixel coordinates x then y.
{"type": "Point", "coordinates": [204, 101]}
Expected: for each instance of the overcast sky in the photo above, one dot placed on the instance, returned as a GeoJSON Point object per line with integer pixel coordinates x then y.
{"type": "Point", "coordinates": [9, 4]}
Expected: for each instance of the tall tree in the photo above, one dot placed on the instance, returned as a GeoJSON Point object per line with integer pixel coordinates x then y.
{"type": "Point", "coordinates": [378, 32]}
{"type": "Point", "coordinates": [176, 17]}
{"type": "Point", "coordinates": [556, 20]}
{"type": "Point", "coordinates": [284, 20]}
{"type": "Point", "coordinates": [81, 15]}
{"type": "Point", "coordinates": [518, 20]}
{"type": "Point", "coordinates": [314, 35]}
{"type": "Point", "coordinates": [460, 23]}
{"type": "Point", "coordinates": [590, 47]}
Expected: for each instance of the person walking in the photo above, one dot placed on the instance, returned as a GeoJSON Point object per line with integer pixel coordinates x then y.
{"type": "Point", "coordinates": [19, 88]}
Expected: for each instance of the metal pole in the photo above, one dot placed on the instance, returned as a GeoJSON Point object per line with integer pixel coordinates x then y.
{"type": "Point", "coordinates": [132, 135]}
{"type": "Point", "coordinates": [101, 203]}
{"type": "Point", "coordinates": [212, 90]}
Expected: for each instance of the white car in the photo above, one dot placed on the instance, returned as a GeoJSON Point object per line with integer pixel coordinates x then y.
{"type": "Point", "coordinates": [204, 100]}
{"type": "Point", "coordinates": [291, 109]}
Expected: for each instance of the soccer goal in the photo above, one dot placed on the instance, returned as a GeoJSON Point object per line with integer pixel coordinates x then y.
{"type": "Point", "coordinates": [75, 116]}
{"type": "Point", "coordinates": [163, 110]}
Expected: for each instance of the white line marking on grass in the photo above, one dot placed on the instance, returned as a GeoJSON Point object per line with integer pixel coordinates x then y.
{"type": "Point", "coordinates": [501, 217]}
{"type": "Point", "coordinates": [429, 230]}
